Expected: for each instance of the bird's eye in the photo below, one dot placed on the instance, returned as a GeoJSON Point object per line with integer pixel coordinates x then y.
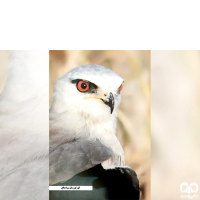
{"type": "Point", "coordinates": [83, 86]}
{"type": "Point", "coordinates": [120, 88]}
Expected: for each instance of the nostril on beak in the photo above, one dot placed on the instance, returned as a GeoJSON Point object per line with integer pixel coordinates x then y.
{"type": "Point", "coordinates": [105, 95]}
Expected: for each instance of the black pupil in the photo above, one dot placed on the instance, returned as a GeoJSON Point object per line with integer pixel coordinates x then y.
{"type": "Point", "coordinates": [83, 86]}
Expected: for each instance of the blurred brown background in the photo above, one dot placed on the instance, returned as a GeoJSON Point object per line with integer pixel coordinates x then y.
{"type": "Point", "coordinates": [3, 68]}
{"type": "Point", "coordinates": [134, 111]}
{"type": "Point", "coordinates": [175, 122]}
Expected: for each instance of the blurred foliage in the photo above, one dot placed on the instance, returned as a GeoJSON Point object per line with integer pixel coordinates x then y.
{"type": "Point", "coordinates": [133, 128]}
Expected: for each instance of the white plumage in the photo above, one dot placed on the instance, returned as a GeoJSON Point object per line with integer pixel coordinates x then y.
{"type": "Point", "coordinates": [76, 115]}
{"type": "Point", "coordinates": [24, 123]}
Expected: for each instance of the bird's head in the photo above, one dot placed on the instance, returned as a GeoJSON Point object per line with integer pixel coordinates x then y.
{"type": "Point", "coordinates": [89, 90]}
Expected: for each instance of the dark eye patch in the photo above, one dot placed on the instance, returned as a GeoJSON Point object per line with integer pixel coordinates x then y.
{"type": "Point", "coordinates": [92, 87]}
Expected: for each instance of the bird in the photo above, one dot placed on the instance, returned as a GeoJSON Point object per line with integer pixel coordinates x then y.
{"type": "Point", "coordinates": [83, 145]}
{"type": "Point", "coordinates": [24, 127]}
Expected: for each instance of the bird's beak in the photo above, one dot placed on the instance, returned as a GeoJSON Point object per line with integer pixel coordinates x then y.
{"type": "Point", "coordinates": [110, 102]}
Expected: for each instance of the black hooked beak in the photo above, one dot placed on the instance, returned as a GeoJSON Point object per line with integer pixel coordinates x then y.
{"type": "Point", "coordinates": [110, 103]}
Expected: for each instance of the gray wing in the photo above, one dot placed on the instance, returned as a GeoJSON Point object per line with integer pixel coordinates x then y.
{"type": "Point", "coordinates": [76, 156]}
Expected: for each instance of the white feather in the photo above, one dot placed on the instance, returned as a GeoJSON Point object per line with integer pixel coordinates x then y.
{"type": "Point", "coordinates": [24, 127]}
{"type": "Point", "coordinates": [82, 114]}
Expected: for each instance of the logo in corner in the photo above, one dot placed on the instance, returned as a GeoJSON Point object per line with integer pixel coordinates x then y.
{"type": "Point", "coordinates": [190, 190]}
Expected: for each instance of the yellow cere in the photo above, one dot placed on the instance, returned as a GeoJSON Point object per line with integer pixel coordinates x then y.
{"type": "Point", "coordinates": [94, 98]}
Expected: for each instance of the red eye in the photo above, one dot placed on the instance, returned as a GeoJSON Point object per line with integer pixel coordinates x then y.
{"type": "Point", "coordinates": [120, 88]}
{"type": "Point", "coordinates": [83, 86]}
